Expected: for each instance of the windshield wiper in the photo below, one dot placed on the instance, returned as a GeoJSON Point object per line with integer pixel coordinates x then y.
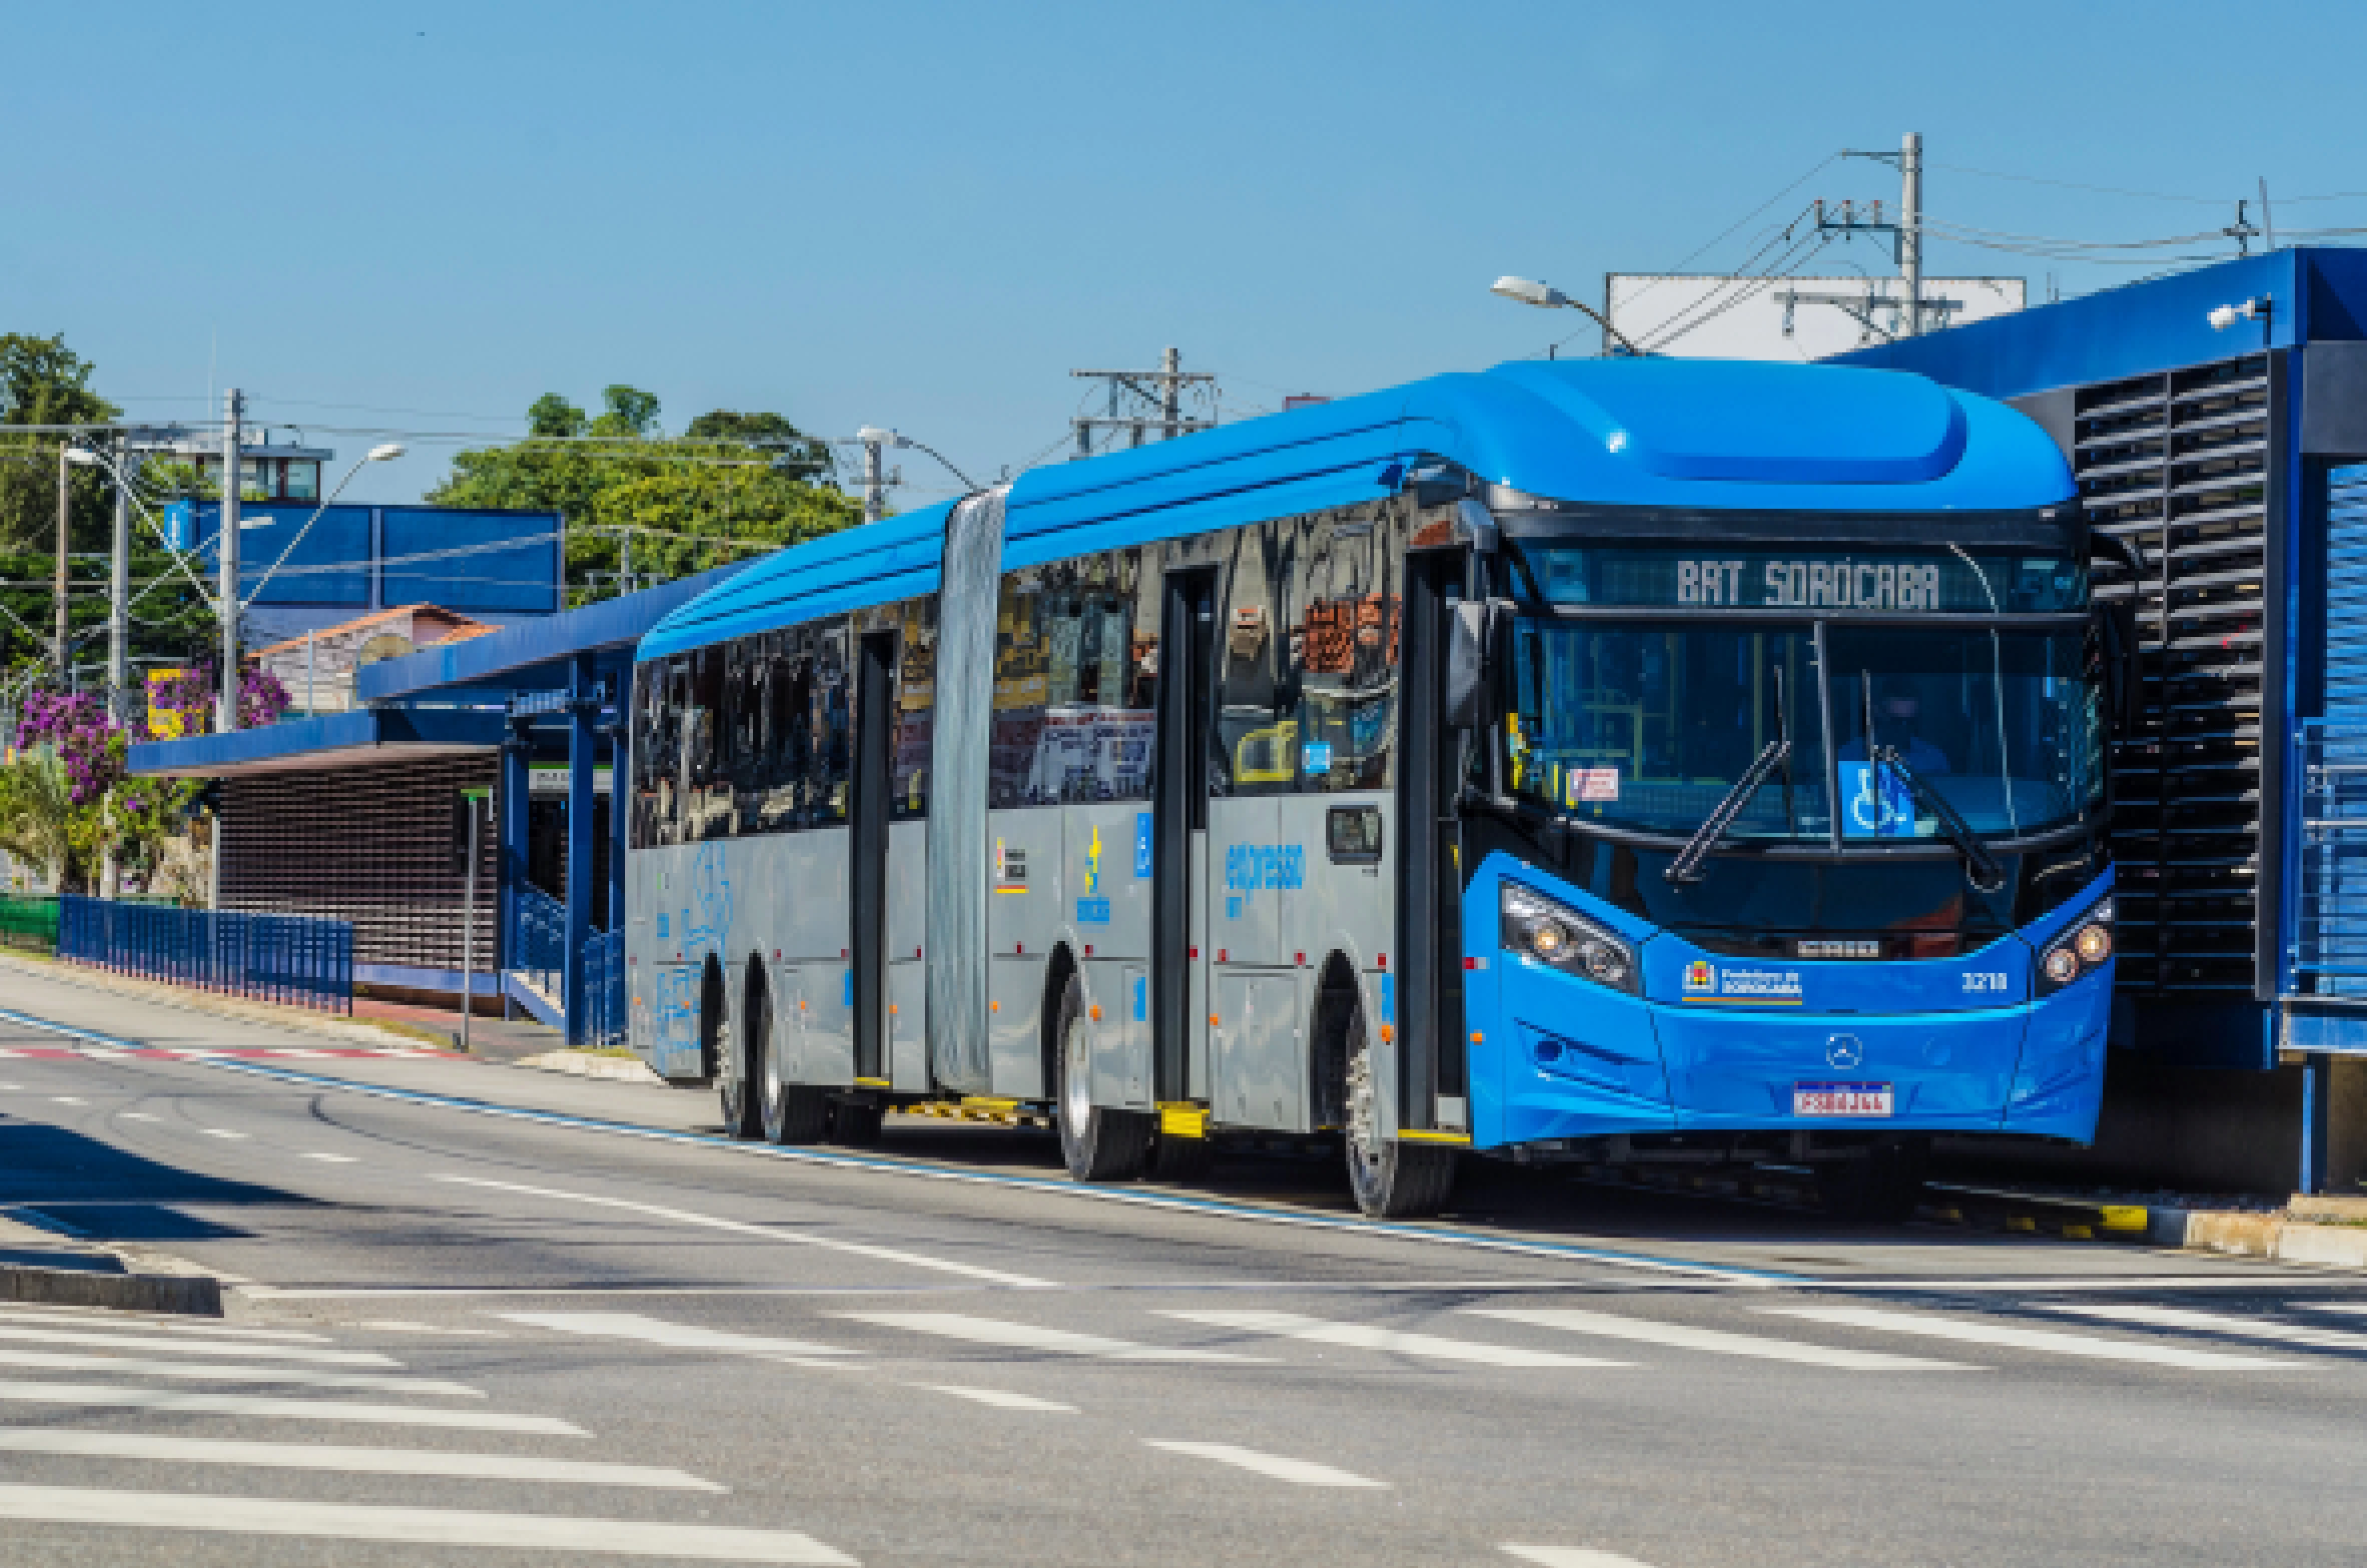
{"type": "Point", "coordinates": [1980, 866]}
{"type": "Point", "coordinates": [1687, 867]}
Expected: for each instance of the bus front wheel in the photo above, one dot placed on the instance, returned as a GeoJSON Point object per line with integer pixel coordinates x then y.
{"type": "Point", "coordinates": [1391, 1180]}
{"type": "Point", "coordinates": [1097, 1144]}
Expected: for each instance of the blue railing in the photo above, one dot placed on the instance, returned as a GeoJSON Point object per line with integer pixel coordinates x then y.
{"type": "Point", "coordinates": [538, 938]}
{"type": "Point", "coordinates": [300, 960]}
{"type": "Point", "coordinates": [604, 990]}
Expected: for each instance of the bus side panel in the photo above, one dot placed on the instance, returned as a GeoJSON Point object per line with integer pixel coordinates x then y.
{"type": "Point", "coordinates": [1258, 1050]}
{"type": "Point", "coordinates": [1108, 873]}
{"type": "Point", "coordinates": [1022, 924]}
{"type": "Point", "coordinates": [806, 881]}
{"type": "Point", "coordinates": [1243, 888]}
{"type": "Point", "coordinates": [1344, 905]}
{"type": "Point", "coordinates": [908, 990]}
{"type": "Point", "coordinates": [685, 897]}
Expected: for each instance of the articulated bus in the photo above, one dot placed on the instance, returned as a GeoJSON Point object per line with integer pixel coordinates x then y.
{"type": "Point", "coordinates": [1611, 761]}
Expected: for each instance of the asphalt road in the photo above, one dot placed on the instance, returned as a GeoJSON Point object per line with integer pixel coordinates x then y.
{"type": "Point", "coordinates": [487, 1316]}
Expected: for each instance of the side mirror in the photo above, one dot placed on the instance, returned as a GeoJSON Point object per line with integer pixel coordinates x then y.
{"type": "Point", "coordinates": [1466, 663]}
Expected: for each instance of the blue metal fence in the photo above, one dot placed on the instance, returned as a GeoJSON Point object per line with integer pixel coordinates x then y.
{"type": "Point", "coordinates": [537, 947]}
{"type": "Point", "coordinates": [301, 960]}
{"type": "Point", "coordinates": [604, 990]}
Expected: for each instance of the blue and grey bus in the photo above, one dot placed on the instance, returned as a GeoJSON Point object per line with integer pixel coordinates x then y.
{"type": "Point", "coordinates": [1612, 761]}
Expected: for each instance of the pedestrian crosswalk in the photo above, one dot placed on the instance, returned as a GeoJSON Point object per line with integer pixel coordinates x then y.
{"type": "Point", "coordinates": [189, 1418]}
{"type": "Point", "coordinates": [179, 1435]}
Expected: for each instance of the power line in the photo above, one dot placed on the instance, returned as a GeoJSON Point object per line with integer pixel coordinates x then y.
{"type": "Point", "coordinates": [2100, 190]}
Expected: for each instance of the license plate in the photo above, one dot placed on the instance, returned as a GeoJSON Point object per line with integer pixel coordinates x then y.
{"type": "Point", "coordinates": [1840, 1099]}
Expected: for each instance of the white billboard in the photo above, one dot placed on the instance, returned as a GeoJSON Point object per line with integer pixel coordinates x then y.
{"type": "Point", "coordinates": [1709, 316]}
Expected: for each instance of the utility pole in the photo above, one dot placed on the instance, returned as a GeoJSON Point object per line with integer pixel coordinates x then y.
{"type": "Point", "coordinates": [66, 513]}
{"type": "Point", "coordinates": [226, 549]}
{"type": "Point", "coordinates": [875, 479]}
{"type": "Point", "coordinates": [118, 593]}
{"type": "Point", "coordinates": [1910, 228]}
{"type": "Point", "coordinates": [1139, 400]}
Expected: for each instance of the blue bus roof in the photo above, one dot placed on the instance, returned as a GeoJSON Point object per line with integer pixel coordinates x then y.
{"type": "Point", "coordinates": [1695, 434]}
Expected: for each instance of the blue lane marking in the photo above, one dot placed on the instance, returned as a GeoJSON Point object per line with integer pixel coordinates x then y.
{"type": "Point", "coordinates": [1210, 1206]}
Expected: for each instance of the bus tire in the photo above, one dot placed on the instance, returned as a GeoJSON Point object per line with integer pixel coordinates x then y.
{"type": "Point", "coordinates": [743, 1117]}
{"type": "Point", "coordinates": [1097, 1144]}
{"type": "Point", "coordinates": [1390, 1180]}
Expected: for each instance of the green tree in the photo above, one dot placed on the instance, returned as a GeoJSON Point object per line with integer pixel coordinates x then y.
{"type": "Point", "coordinates": [37, 813]}
{"type": "Point", "coordinates": [44, 382]}
{"type": "Point", "coordinates": [731, 486]}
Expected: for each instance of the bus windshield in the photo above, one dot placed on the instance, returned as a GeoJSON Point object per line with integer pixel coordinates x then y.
{"type": "Point", "coordinates": [1649, 725]}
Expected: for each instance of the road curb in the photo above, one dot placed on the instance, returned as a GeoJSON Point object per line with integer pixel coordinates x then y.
{"type": "Point", "coordinates": [197, 1295]}
{"type": "Point", "coordinates": [396, 1037]}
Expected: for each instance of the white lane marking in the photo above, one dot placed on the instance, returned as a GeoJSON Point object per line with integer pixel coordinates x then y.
{"type": "Point", "coordinates": [334, 1159]}
{"type": "Point", "coordinates": [63, 1362]}
{"type": "Point", "coordinates": [2041, 1339]}
{"type": "Point", "coordinates": [181, 1347]}
{"type": "Point", "coordinates": [1002, 1399]}
{"type": "Point", "coordinates": [138, 1116]}
{"type": "Point", "coordinates": [329, 1455]}
{"type": "Point", "coordinates": [2235, 1278]}
{"type": "Point", "coordinates": [85, 1317]}
{"type": "Point", "coordinates": [1568, 1556]}
{"type": "Point", "coordinates": [69, 1099]}
{"type": "Point", "coordinates": [1026, 1337]}
{"type": "Point", "coordinates": [2218, 1323]}
{"type": "Point", "coordinates": [400, 1326]}
{"type": "Point", "coordinates": [220, 1132]}
{"type": "Point", "coordinates": [770, 1232]}
{"type": "Point", "coordinates": [2328, 1306]}
{"type": "Point", "coordinates": [1303, 1473]}
{"type": "Point", "coordinates": [885, 1165]}
{"type": "Point", "coordinates": [1364, 1336]}
{"type": "Point", "coordinates": [425, 1527]}
{"type": "Point", "coordinates": [101, 1396]}
{"type": "Point", "coordinates": [676, 1335]}
{"type": "Point", "coordinates": [1716, 1341]}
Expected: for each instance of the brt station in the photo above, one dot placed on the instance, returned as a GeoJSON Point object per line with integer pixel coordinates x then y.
{"type": "Point", "coordinates": [2214, 425]}
{"type": "Point", "coordinates": [358, 814]}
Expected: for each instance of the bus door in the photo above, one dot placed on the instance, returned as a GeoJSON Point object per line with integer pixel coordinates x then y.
{"type": "Point", "coordinates": [1179, 845]}
{"type": "Point", "coordinates": [1430, 1054]}
{"type": "Point", "coordinates": [869, 806]}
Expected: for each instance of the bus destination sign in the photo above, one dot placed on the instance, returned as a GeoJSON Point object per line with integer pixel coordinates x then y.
{"type": "Point", "coordinates": [1895, 582]}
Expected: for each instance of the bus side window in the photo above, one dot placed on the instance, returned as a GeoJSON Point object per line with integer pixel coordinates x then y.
{"type": "Point", "coordinates": [787, 733]}
{"type": "Point", "coordinates": [1343, 648]}
{"type": "Point", "coordinates": [1256, 749]}
{"type": "Point", "coordinates": [1022, 674]}
{"type": "Point", "coordinates": [916, 674]}
{"type": "Point", "coordinates": [700, 746]}
{"type": "Point", "coordinates": [830, 756]}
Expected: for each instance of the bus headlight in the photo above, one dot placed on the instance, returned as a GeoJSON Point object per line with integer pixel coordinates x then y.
{"type": "Point", "coordinates": [2086, 944]}
{"type": "Point", "coordinates": [1560, 937]}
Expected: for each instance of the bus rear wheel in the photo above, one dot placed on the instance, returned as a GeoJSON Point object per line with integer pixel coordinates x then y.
{"type": "Point", "coordinates": [1391, 1180]}
{"type": "Point", "coordinates": [741, 1116]}
{"type": "Point", "coordinates": [1097, 1144]}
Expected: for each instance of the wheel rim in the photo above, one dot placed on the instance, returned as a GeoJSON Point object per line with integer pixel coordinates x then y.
{"type": "Point", "coordinates": [1076, 1078]}
{"type": "Point", "coordinates": [1366, 1152]}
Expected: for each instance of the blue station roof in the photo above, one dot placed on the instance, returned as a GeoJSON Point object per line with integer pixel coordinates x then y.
{"type": "Point", "coordinates": [1691, 433]}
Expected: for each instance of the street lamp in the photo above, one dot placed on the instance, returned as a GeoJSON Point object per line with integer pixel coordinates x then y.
{"type": "Point", "coordinates": [875, 440]}
{"type": "Point", "coordinates": [1529, 291]}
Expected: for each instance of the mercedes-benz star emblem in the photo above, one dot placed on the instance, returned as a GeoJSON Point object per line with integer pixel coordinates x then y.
{"type": "Point", "coordinates": [1843, 1051]}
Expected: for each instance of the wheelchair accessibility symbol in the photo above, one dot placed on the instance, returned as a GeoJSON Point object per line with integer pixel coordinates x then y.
{"type": "Point", "coordinates": [1879, 802]}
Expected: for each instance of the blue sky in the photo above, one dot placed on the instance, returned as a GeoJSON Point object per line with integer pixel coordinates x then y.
{"type": "Point", "coordinates": [419, 217]}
